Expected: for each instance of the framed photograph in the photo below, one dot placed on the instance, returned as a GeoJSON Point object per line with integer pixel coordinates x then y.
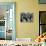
{"type": "Point", "coordinates": [26, 17]}
{"type": "Point", "coordinates": [42, 1]}
{"type": "Point", "coordinates": [42, 22]}
{"type": "Point", "coordinates": [7, 20]}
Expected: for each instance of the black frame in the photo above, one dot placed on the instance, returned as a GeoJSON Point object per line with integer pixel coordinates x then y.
{"type": "Point", "coordinates": [39, 21]}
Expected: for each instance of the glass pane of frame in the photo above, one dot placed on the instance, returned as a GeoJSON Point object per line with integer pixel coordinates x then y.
{"type": "Point", "coordinates": [2, 35]}
{"type": "Point", "coordinates": [43, 28]}
{"type": "Point", "coordinates": [42, 17]}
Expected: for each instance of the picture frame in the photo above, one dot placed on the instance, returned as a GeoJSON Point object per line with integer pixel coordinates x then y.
{"type": "Point", "coordinates": [42, 22]}
{"type": "Point", "coordinates": [42, 1]}
{"type": "Point", "coordinates": [7, 21]}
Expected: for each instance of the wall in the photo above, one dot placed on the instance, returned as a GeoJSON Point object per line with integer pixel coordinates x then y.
{"type": "Point", "coordinates": [28, 30]}
{"type": "Point", "coordinates": [42, 7]}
